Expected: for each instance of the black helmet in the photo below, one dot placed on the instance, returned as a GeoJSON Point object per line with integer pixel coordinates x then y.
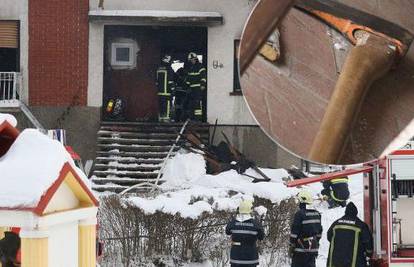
{"type": "Point", "coordinates": [351, 210]}
{"type": "Point", "coordinates": [192, 55]}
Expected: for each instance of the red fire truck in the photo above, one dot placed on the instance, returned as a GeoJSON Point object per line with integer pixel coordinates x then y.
{"type": "Point", "coordinates": [388, 205]}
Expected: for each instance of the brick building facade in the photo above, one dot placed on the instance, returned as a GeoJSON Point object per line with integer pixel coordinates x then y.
{"type": "Point", "coordinates": [62, 64]}
{"type": "Point", "coordinates": [58, 52]}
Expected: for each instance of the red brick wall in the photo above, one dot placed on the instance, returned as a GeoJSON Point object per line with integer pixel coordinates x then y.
{"type": "Point", "coordinates": [58, 52]}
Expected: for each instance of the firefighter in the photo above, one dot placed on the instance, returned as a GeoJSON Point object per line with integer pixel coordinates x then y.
{"type": "Point", "coordinates": [306, 231]}
{"type": "Point", "coordinates": [336, 192]}
{"type": "Point", "coordinates": [196, 81]}
{"type": "Point", "coordinates": [350, 240]}
{"type": "Point", "coordinates": [180, 95]}
{"type": "Point", "coordinates": [244, 231]}
{"type": "Point", "coordinates": [165, 86]}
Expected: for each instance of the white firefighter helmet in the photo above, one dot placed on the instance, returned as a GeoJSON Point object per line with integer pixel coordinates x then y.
{"type": "Point", "coordinates": [305, 196]}
{"type": "Point", "coordinates": [166, 59]}
{"type": "Point", "coordinates": [245, 207]}
{"type": "Point", "coordinates": [192, 55]}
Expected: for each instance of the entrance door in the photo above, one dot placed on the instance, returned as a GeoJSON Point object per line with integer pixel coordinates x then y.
{"type": "Point", "coordinates": [132, 56]}
{"type": "Point", "coordinates": [134, 83]}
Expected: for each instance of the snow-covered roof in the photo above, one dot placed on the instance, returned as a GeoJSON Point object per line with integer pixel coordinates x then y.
{"type": "Point", "coordinates": [158, 16]}
{"type": "Point", "coordinates": [31, 167]}
{"type": "Point", "coordinates": [9, 118]}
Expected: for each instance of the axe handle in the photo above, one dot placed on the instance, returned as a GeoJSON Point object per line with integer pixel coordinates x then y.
{"type": "Point", "coordinates": [365, 63]}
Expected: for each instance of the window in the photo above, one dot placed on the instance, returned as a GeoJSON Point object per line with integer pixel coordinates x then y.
{"type": "Point", "coordinates": [122, 54]}
{"type": "Point", "coordinates": [9, 33]}
{"type": "Point", "coordinates": [9, 46]}
{"type": "Point", "coordinates": [236, 79]}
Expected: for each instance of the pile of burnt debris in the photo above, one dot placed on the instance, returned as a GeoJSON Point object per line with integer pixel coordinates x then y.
{"type": "Point", "coordinates": [225, 156]}
{"type": "Point", "coordinates": [221, 157]}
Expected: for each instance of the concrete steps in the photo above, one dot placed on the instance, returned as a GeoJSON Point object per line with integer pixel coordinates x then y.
{"type": "Point", "coordinates": [133, 153]}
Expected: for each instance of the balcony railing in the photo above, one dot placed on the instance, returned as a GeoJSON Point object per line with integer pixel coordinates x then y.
{"type": "Point", "coordinates": [9, 86]}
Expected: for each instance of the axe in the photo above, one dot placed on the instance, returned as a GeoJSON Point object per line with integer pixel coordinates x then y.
{"type": "Point", "coordinates": [378, 46]}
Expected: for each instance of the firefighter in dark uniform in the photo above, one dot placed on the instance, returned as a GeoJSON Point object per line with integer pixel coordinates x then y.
{"type": "Point", "coordinates": [180, 95]}
{"type": "Point", "coordinates": [350, 240]}
{"type": "Point", "coordinates": [305, 233]}
{"type": "Point", "coordinates": [336, 192]}
{"type": "Point", "coordinates": [165, 86]}
{"type": "Point", "coordinates": [244, 231]}
{"type": "Point", "coordinates": [196, 81]}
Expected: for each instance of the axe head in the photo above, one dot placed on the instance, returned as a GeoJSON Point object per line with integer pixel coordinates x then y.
{"type": "Point", "coordinates": [348, 20]}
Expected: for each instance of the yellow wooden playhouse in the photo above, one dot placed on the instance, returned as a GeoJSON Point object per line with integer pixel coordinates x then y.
{"type": "Point", "coordinates": [45, 196]}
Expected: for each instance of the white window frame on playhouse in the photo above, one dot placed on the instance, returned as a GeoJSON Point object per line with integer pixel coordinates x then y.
{"type": "Point", "coordinates": [115, 62]}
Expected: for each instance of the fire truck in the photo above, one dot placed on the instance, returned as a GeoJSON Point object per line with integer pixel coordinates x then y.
{"type": "Point", "coordinates": [388, 205]}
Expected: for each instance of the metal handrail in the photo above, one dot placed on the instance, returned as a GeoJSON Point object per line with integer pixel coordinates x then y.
{"type": "Point", "coordinates": [155, 184]}
{"type": "Point", "coordinates": [32, 118]}
{"type": "Point", "coordinates": [9, 85]}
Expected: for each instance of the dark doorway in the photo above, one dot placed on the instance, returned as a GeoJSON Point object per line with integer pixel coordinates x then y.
{"type": "Point", "coordinates": [132, 56]}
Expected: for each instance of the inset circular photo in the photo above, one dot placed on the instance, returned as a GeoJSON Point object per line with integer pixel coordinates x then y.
{"type": "Point", "coordinates": [331, 81]}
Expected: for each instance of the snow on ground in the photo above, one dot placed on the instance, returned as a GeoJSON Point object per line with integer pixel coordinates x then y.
{"type": "Point", "coordinates": [181, 170]}
{"type": "Point", "coordinates": [330, 215]}
{"type": "Point", "coordinates": [30, 167]}
{"type": "Point", "coordinates": [9, 118]}
{"type": "Point", "coordinates": [188, 190]}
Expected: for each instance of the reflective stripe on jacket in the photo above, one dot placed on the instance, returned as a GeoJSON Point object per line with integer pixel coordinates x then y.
{"type": "Point", "coordinates": [337, 188]}
{"type": "Point", "coordinates": [165, 80]}
{"type": "Point", "coordinates": [306, 230]}
{"type": "Point", "coordinates": [350, 242]}
{"type": "Point", "coordinates": [196, 76]}
{"type": "Point", "coordinates": [244, 235]}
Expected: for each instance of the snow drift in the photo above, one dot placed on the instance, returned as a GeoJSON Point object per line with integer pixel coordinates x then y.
{"type": "Point", "coordinates": [189, 191]}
